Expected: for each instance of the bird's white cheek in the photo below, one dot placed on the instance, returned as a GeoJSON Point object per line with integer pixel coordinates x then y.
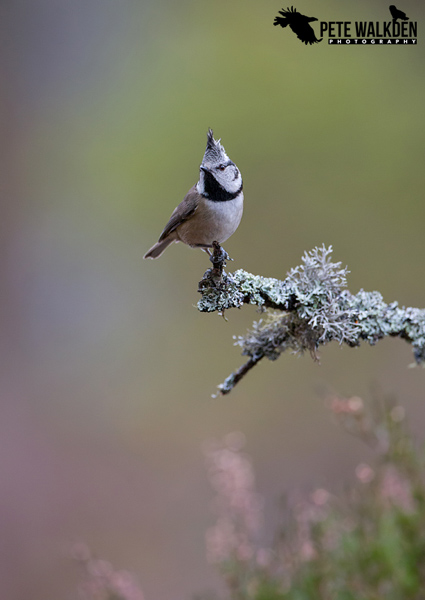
{"type": "Point", "coordinates": [200, 186]}
{"type": "Point", "coordinates": [228, 181]}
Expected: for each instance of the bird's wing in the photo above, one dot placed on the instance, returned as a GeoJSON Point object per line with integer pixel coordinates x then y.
{"type": "Point", "coordinates": [280, 21]}
{"type": "Point", "coordinates": [305, 33]}
{"type": "Point", "coordinates": [182, 213]}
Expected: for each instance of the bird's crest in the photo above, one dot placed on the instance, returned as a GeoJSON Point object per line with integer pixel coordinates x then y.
{"type": "Point", "coordinates": [215, 152]}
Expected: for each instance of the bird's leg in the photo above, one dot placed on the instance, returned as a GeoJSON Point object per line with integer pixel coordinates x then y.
{"type": "Point", "coordinates": [214, 276]}
{"type": "Point", "coordinates": [218, 260]}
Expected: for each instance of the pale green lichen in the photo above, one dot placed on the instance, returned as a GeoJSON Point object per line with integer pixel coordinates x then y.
{"type": "Point", "coordinates": [241, 288]}
{"type": "Point", "coordinates": [317, 309]}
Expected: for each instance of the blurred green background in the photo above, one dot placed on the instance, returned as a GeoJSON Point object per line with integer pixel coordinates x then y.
{"type": "Point", "coordinates": [107, 367]}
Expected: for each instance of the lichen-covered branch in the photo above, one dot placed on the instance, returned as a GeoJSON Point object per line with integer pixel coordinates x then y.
{"type": "Point", "coordinates": [311, 308]}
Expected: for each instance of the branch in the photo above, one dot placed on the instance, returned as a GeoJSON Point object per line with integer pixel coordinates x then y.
{"type": "Point", "coordinates": [311, 307]}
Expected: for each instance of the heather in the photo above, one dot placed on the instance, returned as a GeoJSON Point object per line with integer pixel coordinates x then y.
{"type": "Point", "coordinates": [364, 539]}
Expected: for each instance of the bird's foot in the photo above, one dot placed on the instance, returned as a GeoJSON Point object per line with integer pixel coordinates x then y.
{"type": "Point", "coordinates": [219, 256]}
{"type": "Point", "coordinates": [215, 277]}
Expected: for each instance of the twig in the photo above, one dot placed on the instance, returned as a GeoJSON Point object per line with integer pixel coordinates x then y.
{"type": "Point", "coordinates": [230, 382]}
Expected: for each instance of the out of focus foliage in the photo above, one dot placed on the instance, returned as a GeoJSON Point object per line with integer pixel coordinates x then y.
{"type": "Point", "coordinates": [101, 581]}
{"type": "Point", "coordinates": [365, 542]}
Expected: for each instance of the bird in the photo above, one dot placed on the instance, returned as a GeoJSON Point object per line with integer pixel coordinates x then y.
{"type": "Point", "coordinates": [397, 14]}
{"type": "Point", "coordinates": [211, 210]}
{"type": "Point", "coordinates": [299, 24]}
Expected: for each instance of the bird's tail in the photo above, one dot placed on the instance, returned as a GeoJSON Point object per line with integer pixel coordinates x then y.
{"type": "Point", "coordinates": [280, 21]}
{"type": "Point", "coordinates": [159, 248]}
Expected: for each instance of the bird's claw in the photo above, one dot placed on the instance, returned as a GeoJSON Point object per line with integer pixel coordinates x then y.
{"type": "Point", "coordinates": [215, 277]}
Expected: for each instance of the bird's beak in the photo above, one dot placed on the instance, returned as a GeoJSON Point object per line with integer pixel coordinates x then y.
{"type": "Point", "coordinates": [204, 169]}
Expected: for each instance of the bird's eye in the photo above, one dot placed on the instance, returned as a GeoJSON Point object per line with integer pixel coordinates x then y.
{"type": "Point", "coordinates": [221, 167]}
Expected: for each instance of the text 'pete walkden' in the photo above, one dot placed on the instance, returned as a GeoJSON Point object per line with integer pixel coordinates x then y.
{"type": "Point", "coordinates": [370, 32]}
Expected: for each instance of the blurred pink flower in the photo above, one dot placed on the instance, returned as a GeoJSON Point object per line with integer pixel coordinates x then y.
{"type": "Point", "coordinates": [396, 489]}
{"type": "Point", "coordinates": [350, 406]}
{"type": "Point", "coordinates": [238, 507]}
{"type": "Point", "coordinates": [102, 581]}
{"type": "Point", "coordinates": [364, 473]}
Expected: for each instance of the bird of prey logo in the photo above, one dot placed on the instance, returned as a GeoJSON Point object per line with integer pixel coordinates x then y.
{"type": "Point", "coordinates": [397, 14]}
{"type": "Point", "coordinates": [300, 25]}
